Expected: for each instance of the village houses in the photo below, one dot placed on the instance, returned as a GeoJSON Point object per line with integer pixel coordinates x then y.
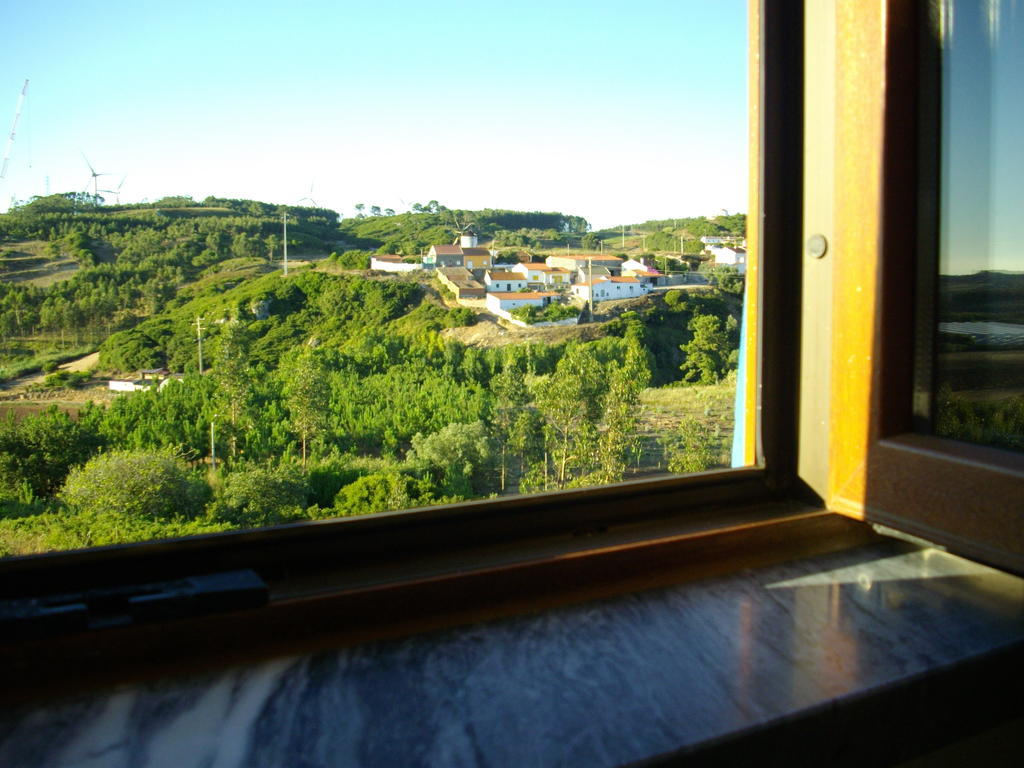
{"type": "Point", "coordinates": [642, 272]}
{"type": "Point", "coordinates": [462, 282]}
{"type": "Point", "coordinates": [539, 273]}
{"type": "Point", "coordinates": [575, 262]}
{"type": "Point", "coordinates": [465, 254]}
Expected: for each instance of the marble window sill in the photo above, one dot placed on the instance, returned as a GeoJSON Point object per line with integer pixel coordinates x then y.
{"type": "Point", "coordinates": [864, 656]}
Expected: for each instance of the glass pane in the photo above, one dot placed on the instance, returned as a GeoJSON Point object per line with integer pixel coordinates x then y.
{"type": "Point", "coordinates": [980, 364]}
{"type": "Point", "coordinates": [312, 262]}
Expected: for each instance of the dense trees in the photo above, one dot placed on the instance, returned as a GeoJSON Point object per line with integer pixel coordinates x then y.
{"type": "Point", "coordinates": [37, 454]}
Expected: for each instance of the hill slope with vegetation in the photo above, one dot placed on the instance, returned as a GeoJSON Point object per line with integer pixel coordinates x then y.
{"type": "Point", "coordinates": [322, 394]}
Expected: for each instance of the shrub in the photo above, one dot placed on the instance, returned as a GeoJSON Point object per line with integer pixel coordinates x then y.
{"type": "Point", "coordinates": [552, 313]}
{"type": "Point", "coordinates": [256, 496]}
{"type": "Point", "coordinates": [147, 485]}
{"type": "Point", "coordinates": [379, 492]}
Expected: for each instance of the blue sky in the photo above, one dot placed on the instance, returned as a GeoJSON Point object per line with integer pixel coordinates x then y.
{"type": "Point", "coordinates": [615, 111]}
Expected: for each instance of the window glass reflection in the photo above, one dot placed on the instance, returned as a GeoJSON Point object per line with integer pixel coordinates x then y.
{"type": "Point", "coordinates": [979, 368]}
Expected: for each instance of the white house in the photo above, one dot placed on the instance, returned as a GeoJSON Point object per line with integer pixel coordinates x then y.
{"type": "Point", "coordinates": [148, 378]}
{"type": "Point", "coordinates": [502, 302]}
{"type": "Point", "coordinates": [730, 256]}
{"type": "Point", "coordinates": [611, 288]}
{"type": "Point", "coordinates": [392, 263]}
{"type": "Point", "coordinates": [643, 273]}
{"type": "Point", "coordinates": [539, 273]}
{"type": "Point", "coordinates": [504, 281]}
{"type": "Point", "coordinates": [128, 385]}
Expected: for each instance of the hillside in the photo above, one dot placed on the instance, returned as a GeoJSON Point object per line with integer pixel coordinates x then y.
{"type": "Point", "coordinates": [328, 392]}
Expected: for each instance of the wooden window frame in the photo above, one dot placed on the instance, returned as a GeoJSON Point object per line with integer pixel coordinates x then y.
{"type": "Point", "coordinates": [965, 497]}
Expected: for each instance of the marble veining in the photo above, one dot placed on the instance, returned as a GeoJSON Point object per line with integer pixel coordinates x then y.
{"type": "Point", "coordinates": [602, 683]}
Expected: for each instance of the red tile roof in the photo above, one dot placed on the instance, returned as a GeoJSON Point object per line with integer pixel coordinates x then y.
{"type": "Point", "coordinates": [530, 295]}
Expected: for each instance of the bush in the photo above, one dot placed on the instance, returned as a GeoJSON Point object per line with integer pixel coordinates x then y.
{"type": "Point", "coordinates": [256, 496]}
{"type": "Point", "coordinates": [552, 313]}
{"type": "Point", "coordinates": [65, 379]}
{"type": "Point", "coordinates": [459, 317]}
{"type": "Point", "coordinates": [351, 259]}
{"type": "Point", "coordinates": [379, 492]}
{"type": "Point", "coordinates": [145, 485]}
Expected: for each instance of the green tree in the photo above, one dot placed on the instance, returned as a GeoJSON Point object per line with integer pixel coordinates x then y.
{"type": "Point", "coordinates": [460, 454]}
{"type": "Point", "coordinates": [707, 353]}
{"type": "Point", "coordinates": [570, 402]}
{"type": "Point", "coordinates": [727, 279]}
{"type": "Point", "coordinates": [39, 452]}
{"type": "Point", "coordinates": [510, 396]}
{"type": "Point", "coordinates": [307, 393]}
{"type": "Point", "coordinates": [233, 375]}
{"type": "Point", "coordinates": [618, 441]}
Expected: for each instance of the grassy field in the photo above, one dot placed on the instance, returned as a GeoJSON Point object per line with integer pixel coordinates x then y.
{"type": "Point", "coordinates": [30, 262]}
{"type": "Point", "coordinates": [664, 409]}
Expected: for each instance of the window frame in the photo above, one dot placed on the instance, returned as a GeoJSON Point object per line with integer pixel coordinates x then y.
{"type": "Point", "coordinates": [528, 534]}
{"type": "Point", "coordinates": [961, 496]}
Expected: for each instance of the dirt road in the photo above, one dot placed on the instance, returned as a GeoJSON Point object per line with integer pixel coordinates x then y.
{"type": "Point", "coordinates": [81, 364]}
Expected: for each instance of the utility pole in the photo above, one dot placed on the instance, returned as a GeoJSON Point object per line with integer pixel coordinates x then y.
{"type": "Point", "coordinates": [623, 237]}
{"type": "Point", "coordinates": [286, 244]}
{"type": "Point", "coordinates": [213, 444]}
{"type": "Point", "coordinates": [199, 338]}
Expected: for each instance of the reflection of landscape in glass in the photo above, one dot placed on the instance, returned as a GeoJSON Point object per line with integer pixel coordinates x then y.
{"type": "Point", "coordinates": [980, 365]}
{"type": "Point", "coordinates": [163, 372]}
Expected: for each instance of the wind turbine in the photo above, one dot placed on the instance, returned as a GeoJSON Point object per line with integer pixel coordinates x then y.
{"type": "Point", "coordinates": [115, 192]}
{"type": "Point", "coordinates": [94, 176]}
{"type": "Point", "coordinates": [309, 197]}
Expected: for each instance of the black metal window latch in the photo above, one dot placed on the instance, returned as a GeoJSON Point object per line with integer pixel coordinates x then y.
{"type": "Point", "coordinates": [121, 606]}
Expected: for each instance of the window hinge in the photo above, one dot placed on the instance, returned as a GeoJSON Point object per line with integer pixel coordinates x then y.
{"type": "Point", "coordinates": [122, 606]}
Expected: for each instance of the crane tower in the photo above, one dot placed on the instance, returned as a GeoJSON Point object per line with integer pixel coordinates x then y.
{"type": "Point", "coordinates": [14, 127]}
